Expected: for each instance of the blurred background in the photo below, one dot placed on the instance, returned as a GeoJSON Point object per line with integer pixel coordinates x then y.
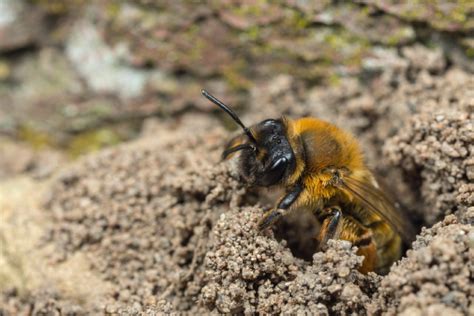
{"type": "Point", "coordinates": [78, 75]}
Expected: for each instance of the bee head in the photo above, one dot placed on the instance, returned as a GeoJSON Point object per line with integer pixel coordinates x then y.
{"type": "Point", "coordinates": [266, 155]}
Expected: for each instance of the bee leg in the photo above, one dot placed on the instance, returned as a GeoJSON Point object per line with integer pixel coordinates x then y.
{"type": "Point", "coordinates": [368, 250]}
{"type": "Point", "coordinates": [270, 217]}
{"type": "Point", "coordinates": [331, 218]}
{"type": "Point", "coordinates": [331, 228]}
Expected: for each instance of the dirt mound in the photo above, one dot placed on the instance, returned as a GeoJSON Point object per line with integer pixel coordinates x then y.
{"type": "Point", "coordinates": [436, 144]}
{"type": "Point", "coordinates": [435, 278]}
{"type": "Point", "coordinates": [143, 213]}
{"type": "Point", "coordinates": [248, 272]}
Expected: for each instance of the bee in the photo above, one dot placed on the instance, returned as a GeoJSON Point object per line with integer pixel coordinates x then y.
{"type": "Point", "coordinates": [321, 169]}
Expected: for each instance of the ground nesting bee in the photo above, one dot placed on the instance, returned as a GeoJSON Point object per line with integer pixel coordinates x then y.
{"type": "Point", "coordinates": [322, 169]}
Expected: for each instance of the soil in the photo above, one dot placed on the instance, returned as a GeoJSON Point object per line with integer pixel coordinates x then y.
{"type": "Point", "coordinates": [160, 225]}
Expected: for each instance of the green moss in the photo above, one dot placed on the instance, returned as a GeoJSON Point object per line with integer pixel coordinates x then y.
{"type": "Point", "coordinates": [334, 79]}
{"type": "Point", "coordinates": [234, 75]}
{"type": "Point", "coordinates": [34, 137]}
{"type": "Point", "coordinates": [252, 33]}
{"type": "Point", "coordinates": [254, 10]}
{"type": "Point", "coordinates": [366, 11]}
{"type": "Point", "coordinates": [470, 52]}
{"type": "Point", "coordinates": [113, 9]}
{"type": "Point", "coordinates": [196, 52]}
{"type": "Point", "coordinates": [261, 49]}
{"type": "Point", "coordinates": [59, 6]}
{"type": "Point", "coordinates": [440, 14]}
{"type": "Point", "coordinates": [299, 21]}
{"type": "Point", "coordinates": [92, 141]}
{"type": "Point", "coordinates": [399, 36]}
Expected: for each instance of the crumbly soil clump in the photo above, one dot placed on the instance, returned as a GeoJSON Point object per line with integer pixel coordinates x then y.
{"type": "Point", "coordinates": [249, 272]}
{"type": "Point", "coordinates": [436, 276]}
{"type": "Point", "coordinates": [143, 213]}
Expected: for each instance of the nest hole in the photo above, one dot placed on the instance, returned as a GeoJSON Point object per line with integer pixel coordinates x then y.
{"type": "Point", "coordinates": [299, 230]}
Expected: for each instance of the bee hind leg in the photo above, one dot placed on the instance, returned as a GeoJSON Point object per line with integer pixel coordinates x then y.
{"type": "Point", "coordinates": [335, 226]}
{"type": "Point", "coordinates": [331, 219]}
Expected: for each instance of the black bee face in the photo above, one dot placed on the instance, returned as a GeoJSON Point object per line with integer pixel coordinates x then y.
{"type": "Point", "coordinates": [266, 155]}
{"type": "Point", "coordinates": [273, 159]}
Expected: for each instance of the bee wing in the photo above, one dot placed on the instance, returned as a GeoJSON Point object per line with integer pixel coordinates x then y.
{"type": "Point", "coordinates": [376, 201]}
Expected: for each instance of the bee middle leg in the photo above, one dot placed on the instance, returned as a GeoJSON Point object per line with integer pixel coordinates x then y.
{"type": "Point", "coordinates": [331, 219]}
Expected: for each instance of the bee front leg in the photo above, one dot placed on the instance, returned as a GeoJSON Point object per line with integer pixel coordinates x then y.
{"type": "Point", "coordinates": [273, 215]}
{"type": "Point", "coordinates": [331, 218]}
{"type": "Point", "coordinates": [270, 218]}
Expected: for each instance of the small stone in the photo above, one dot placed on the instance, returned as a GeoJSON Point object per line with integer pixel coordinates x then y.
{"type": "Point", "coordinates": [334, 288]}
{"type": "Point", "coordinates": [343, 272]}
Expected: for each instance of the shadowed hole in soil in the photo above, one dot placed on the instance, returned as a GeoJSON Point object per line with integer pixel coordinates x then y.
{"type": "Point", "coordinates": [299, 230]}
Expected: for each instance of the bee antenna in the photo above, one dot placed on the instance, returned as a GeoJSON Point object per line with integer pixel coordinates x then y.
{"type": "Point", "coordinates": [232, 114]}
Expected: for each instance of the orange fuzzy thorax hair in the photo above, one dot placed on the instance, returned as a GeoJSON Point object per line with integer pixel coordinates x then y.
{"type": "Point", "coordinates": [318, 145]}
